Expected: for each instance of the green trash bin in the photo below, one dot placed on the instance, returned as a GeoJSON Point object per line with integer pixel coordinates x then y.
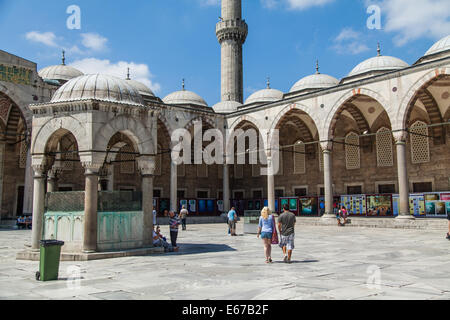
{"type": "Point", "coordinates": [49, 260]}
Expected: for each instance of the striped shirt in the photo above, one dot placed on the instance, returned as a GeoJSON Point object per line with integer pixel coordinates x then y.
{"type": "Point", "coordinates": [174, 223]}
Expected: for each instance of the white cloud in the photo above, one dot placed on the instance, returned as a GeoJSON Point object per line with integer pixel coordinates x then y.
{"type": "Point", "coordinates": [415, 19]}
{"type": "Point", "coordinates": [47, 38]}
{"type": "Point", "coordinates": [349, 41]}
{"type": "Point", "coordinates": [94, 41]}
{"type": "Point", "coordinates": [294, 4]}
{"type": "Point", "coordinates": [139, 72]}
{"type": "Point", "coordinates": [305, 4]}
{"type": "Point", "coordinates": [209, 2]}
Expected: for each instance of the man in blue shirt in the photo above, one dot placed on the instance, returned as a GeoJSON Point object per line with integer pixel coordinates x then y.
{"type": "Point", "coordinates": [232, 219]}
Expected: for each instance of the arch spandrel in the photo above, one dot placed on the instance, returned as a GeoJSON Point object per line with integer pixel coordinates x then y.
{"type": "Point", "coordinates": [314, 116]}
{"type": "Point", "coordinates": [401, 117]}
{"type": "Point", "coordinates": [326, 130]}
{"type": "Point", "coordinates": [135, 130]}
{"type": "Point", "coordinates": [74, 126]}
{"type": "Point", "coordinates": [10, 90]}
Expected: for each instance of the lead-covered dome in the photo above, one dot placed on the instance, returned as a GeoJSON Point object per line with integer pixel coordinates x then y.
{"type": "Point", "coordinates": [98, 87]}
{"type": "Point", "coordinates": [226, 106]}
{"type": "Point", "coordinates": [141, 88]}
{"type": "Point", "coordinates": [59, 73]}
{"type": "Point", "coordinates": [265, 96]}
{"type": "Point", "coordinates": [378, 64]}
{"type": "Point", "coordinates": [185, 97]}
{"type": "Point", "coordinates": [440, 46]}
{"type": "Point", "coordinates": [315, 82]}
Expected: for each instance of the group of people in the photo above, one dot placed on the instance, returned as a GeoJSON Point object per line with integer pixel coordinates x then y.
{"type": "Point", "coordinates": [24, 222]}
{"type": "Point", "coordinates": [174, 223]}
{"type": "Point", "coordinates": [268, 232]}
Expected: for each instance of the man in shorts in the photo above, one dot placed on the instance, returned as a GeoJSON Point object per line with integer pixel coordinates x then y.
{"type": "Point", "coordinates": [286, 226]}
{"type": "Point", "coordinates": [232, 219]}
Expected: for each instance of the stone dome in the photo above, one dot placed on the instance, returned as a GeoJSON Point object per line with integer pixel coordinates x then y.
{"type": "Point", "coordinates": [265, 95]}
{"type": "Point", "coordinates": [141, 88]}
{"type": "Point", "coordinates": [315, 82]}
{"type": "Point", "coordinates": [440, 46]}
{"type": "Point", "coordinates": [226, 106]}
{"type": "Point", "coordinates": [98, 87]}
{"type": "Point", "coordinates": [378, 64]}
{"type": "Point", "coordinates": [60, 73]}
{"type": "Point", "coordinates": [185, 97]}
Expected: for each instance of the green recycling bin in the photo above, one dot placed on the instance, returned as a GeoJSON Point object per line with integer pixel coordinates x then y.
{"type": "Point", "coordinates": [49, 260]}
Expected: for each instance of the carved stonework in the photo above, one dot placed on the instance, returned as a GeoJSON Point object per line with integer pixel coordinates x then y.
{"type": "Point", "coordinates": [400, 136]}
{"type": "Point", "coordinates": [326, 146]}
{"type": "Point", "coordinates": [147, 165]}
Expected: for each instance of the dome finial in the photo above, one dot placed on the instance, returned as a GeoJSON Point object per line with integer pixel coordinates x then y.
{"type": "Point", "coordinates": [63, 58]}
{"type": "Point", "coordinates": [379, 49]}
{"type": "Point", "coordinates": [268, 82]}
{"type": "Point", "coordinates": [183, 85]}
{"type": "Point", "coordinates": [317, 67]}
{"type": "Point", "coordinates": [128, 74]}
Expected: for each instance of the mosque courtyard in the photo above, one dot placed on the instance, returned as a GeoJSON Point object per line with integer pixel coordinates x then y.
{"type": "Point", "coordinates": [328, 263]}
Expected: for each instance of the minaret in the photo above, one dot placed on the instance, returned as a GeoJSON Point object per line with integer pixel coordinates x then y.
{"type": "Point", "coordinates": [231, 32]}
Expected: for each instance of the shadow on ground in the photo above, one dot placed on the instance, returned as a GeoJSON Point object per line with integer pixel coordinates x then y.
{"type": "Point", "coordinates": [198, 248]}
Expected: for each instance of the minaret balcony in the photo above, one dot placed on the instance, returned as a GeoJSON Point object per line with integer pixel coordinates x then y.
{"type": "Point", "coordinates": [232, 29]}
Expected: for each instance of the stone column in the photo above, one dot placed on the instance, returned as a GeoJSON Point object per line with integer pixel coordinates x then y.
{"type": "Point", "coordinates": [147, 169]}
{"type": "Point", "coordinates": [38, 206]}
{"type": "Point", "coordinates": [226, 188]}
{"type": "Point", "coordinates": [403, 183]}
{"type": "Point", "coordinates": [173, 186]}
{"type": "Point", "coordinates": [28, 191]}
{"type": "Point", "coordinates": [328, 181]}
{"type": "Point", "coordinates": [52, 181]}
{"type": "Point", "coordinates": [90, 209]}
{"type": "Point", "coordinates": [270, 185]}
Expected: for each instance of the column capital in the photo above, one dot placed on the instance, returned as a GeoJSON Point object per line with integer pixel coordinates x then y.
{"type": "Point", "coordinates": [400, 136]}
{"type": "Point", "coordinates": [327, 146]}
{"type": "Point", "coordinates": [91, 168]}
{"type": "Point", "coordinates": [147, 165]}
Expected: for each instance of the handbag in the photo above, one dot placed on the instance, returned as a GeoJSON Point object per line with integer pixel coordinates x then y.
{"type": "Point", "coordinates": [274, 233]}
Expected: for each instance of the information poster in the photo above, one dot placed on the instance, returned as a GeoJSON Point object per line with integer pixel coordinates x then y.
{"type": "Point", "coordinates": [293, 205]}
{"type": "Point", "coordinates": [355, 204]}
{"type": "Point", "coordinates": [446, 198]}
{"type": "Point", "coordinates": [379, 205]}
{"type": "Point", "coordinates": [184, 203]}
{"type": "Point", "coordinates": [250, 205]}
{"type": "Point", "coordinates": [284, 201]}
{"type": "Point", "coordinates": [433, 204]}
{"type": "Point", "coordinates": [308, 206]}
{"type": "Point", "coordinates": [258, 205]}
{"type": "Point", "coordinates": [220, 206]}
{"type": "Point", "coordinates": [193, 206]}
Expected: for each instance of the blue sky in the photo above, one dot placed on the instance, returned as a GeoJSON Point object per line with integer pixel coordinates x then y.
{"type": "Point", "coordinates": [165, 41]}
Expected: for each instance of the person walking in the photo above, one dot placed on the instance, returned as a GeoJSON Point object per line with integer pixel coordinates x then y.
{"type": "Point", "coordinates": [183, 215]}
{"type": "Point", "coordinates": [265, 230]}
{"type": "Point", "coordinates": [286, 226]}
{"type": "Point", "coordinates": [232, 219]}
{"type": "Point", "coordinates": [174, 223]}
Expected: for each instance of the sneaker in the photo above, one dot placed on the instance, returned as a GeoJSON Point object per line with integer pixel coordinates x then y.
{"type": "Point", "coordinates": [285, 259]}
{"type": "Point", "coordinates": [448, 236]}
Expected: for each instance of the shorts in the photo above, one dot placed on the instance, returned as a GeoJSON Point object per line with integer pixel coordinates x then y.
{"type": "Point", "coordinates": [266, 235]}
{"type": "Point", "coordinates": [288, 242]}
{"type": "Point", "coordinates": [232, 224]}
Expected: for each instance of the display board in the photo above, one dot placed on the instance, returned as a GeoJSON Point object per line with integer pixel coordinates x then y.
{"type": "Point", "coordinates": [308, 206]}
{"type": "Point", "coordinates": [416, 205]}
{"type": "Point", "coordinates": [437, 204]}
{"type": "Point", "coordinates": [355, 204]}
{"type": "Point", "coordinates": [379, 205]}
